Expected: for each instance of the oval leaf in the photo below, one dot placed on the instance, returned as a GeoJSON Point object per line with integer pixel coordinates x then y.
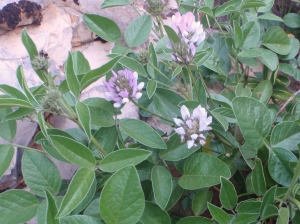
{"type": "Point", "coordinates": [143, 133]}
{"type": "Point", "coordinates": [17, 206]}
{"type": "Point", "coordinates": [228, 196]}
{"type": "Point", "coordinates": [154, 214]}
{"type": "Point", "coordinates": [84, 118]}
{"type": "Point", "coordinates": [197, 171]}
{"type": "Point", "coordinates": [77, 190]}
{"type": "Point", "coordinates": [218, 214]}
{"type": "Point", "coordinates": [199, 203]}
{"type": "Point", "coordinates": [277, 40]}
{"type": "Point", "coordinates": [138, 31]}
{"type": "Point", "coordinates": [121, 158]}
{"type": "Point", "coordinates": [73, 151]}
{"type": "Point", "coordinates": [255, 125]}
{"type": "Point", "coordinates": [103, 27]}
{"type": "Point", "coordinates": [40, 173]}
{"type": "Point", "coordinates": [162, 185]}
{"type": "Point", "coordinates": [6, 155]}
{"type": "Point", "coordinates": [122, 198]}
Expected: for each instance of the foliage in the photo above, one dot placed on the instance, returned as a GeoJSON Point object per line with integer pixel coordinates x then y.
{"type": "Point", "coordinates": [232, 157]}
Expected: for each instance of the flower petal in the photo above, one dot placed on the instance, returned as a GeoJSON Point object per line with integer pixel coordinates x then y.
{"type": "Point", "coordinates": [185, 112]}
{"type": "Point", "coordinates": [194, 136]}
{"type": "Point", "coordinates": [180, 131]}
{"type": "Point", "coordinates": [178, 122]}
{"type": "Point", "coordinates": [190, 143]}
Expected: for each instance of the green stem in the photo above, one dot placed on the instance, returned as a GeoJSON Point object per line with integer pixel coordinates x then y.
{"type": "Point", "coordinates": [160, 22]}
{"type": "Point", "coordinates": [194, 83]}
{"type": "Point", "coordinates": [244, 194]}
{"type": "Point", "coordinates": [145, 109]}
{"type": "Point", "coordinates": [294, 181]}
{"type": "Point", "coordinates": [206, 89]}
{"type": "Point", "coordinates": [170, 80]}
{"type": "Point", "coordinates": [98, 146]}
{"type": "Point", "coordinates": [27, 148]}
{"type": "Point", "coordinates": [295, 201]}
{"type": "Point", "coordinates": [220, 27]}
{"type": "Point", "coordinates": [187, 88]}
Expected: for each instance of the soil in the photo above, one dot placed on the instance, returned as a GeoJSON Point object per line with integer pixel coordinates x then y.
{"type": "Point", "coordinates": [11, 14]}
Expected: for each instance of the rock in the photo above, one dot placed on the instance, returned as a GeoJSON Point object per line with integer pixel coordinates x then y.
{"type": "Point", "coordinates": [81, 35]}
{"type": "Point", "coordinates": [20, 14]}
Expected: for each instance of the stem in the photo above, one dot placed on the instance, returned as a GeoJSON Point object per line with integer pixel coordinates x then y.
{"type": "Point", "coordinates": [160, 22]}
{"type": "Point", "coordinates": [287, 102]}
{"type": "Point", "coordinates": [206, 89]}
{"type": "Point", "coordinates": [295, 201]}
{"type": "Point", "coordinates": [244, 194]}
{"type": "Point", "coordinates": [294, 181]}
{"type": "Point", "coordinates": [98, 146]}
{"type": "Point", "coordinates": [166, 77]}
{"type": "Point", "coordinates": [194, 83]}
{"type": "Point", "coordinates": [27, 148]}
{"type": "Point", "coordinates": [145, 109]}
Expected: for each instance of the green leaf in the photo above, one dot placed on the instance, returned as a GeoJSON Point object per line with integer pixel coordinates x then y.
{"type": "Point", "coordinates": [250, 53]}
{"type": "Point", "coordinates": [152, 61]}
{"type": "Point", "coordinates": [72, 79]}
{"type": "Point", "coordinates": [252, 4]}
{"type": "Point", "coordinates": [105, 120]}
{"type": "Point", "coordinates": [122, 199]}
{"type": "Point", "coordinates": [197, 171]}
{"type": "Point", "coordinates": [17, 206]}
{"type": "Point", "coordinates": [80, 219]}
{"type": "Point", "coordinates": [199, 203]}
{"type": "Point", "coordinates": [263, 91]}
{"type": "Point", "coordinates": [138, 31]}
{"type": "Point", "coordinates": [228, 196]}
{"type": "Point", "coordinates": [246, 218]}
{"type": "Point", "coordinates": [94, 75]}
{"type": "Point", "coordinates": [258, 179]}
{"type": "Point", "coordinates": [133, 65]}
{"type": "Point", "coordinates": [271, 211]}
{"type": "Point", "coordinates": [238, 34]}
{"type": "Point", "coordinates": [154, 214]}
{"type": "Point", "coordinates": [207, 11]}
{"type": "Point", "coordinates": [277, 40]}
{"type": "Point", "coordinates": [177, 71]}
{"type": "Point", "coordinates": [227, 113]}
{"type": "Point", "coordinates": [251, 34]}
{"type": "Point", "coordinates": [165, 103]}
{"type": "Point", "coordinates": [121, 158]}
{"type": "Point", "coordinates": [283, 217]}
{"type": "Point", "coordinates": [292, 20]}
{"type": "Point", "coordinates": [162, 185]}
{"type": "Point", "coordinates": [40, 173]}
{"type": "Point", "coordinates": [93, 209]}
{"type": "Point", "coordinates": [175, 196]}
{"type": "Point", "coordinates": [221, 100]}
{"type": "Point", "coordinates": [270, 16]}
{"type": "Point", "coordinates": [269, 5]}
{"type": "Point", "coordinates": [218, 214]}
{"type": "Point", "coordinates": [173, 37]}
{"type": "Point", "coordinates": [241, 90]}
{"type": "Point", "coordinates": [224, 135]}
{"type": "Point", "coordinates": [84, 118]}
{"type": "Point", "coordinates": [202, 56]}
{"type": "Point", "coordinates": [287, 69]}
{"type": "Point", "coordinates": [279, 165]}
{"type": "Point", "coordinates": [176, 149]}
{"type": "Point", "coordinates": [51, 210]}
{"type": "Point", "coordinates": [13, 92]}
{"type": "Point", "coordinates": [248, 152]}
{"type": "Point", "coordinates": [8, 129]}
{"type": "Point", "coordinates": [112, 3]}
{"type": "Point", "coordinates": [220, 119]}
{"type": "Point", "coordinates": [87, 199]}
{"type": "Point", "coordinates": [286, 135]}
{"type": "Point", "coordinates": [23, 84]}
{"type": "Point", "coordinates": [269, 58]}
{"type": "Point", "coordinates": [77, 190]}
{"type": "Point", "coordinates": [6, 155]}
{"type": "Point", "coordinates": [252, 207]}
{"type": "Point", "coordinates": [9, 102]}
{"type": "Point", "coordinates": [80, 63]}
{"type": "Point", "coordinates": [42, 123]}
{"type": "Point", "coordinates": [143, 133]}
{"type": "Point", "coordinates": [268, 199]}
{"type": "Point", "coordinates": [73, 151]}
{"type": "Point", "coordinates": [254, 125]}
{"type": "Point", "coordinates": [195, 220]}
{"type": "Point", "coordinates": [151, 87]}
{"type": "Point", "coordinates": [201, 88]}
{"type": "Point", "coordinates": [32, 51]}
{"type": "Point", "coordinates": [107, 138]}
{"type": "Point", "coordinates": [103, 27]}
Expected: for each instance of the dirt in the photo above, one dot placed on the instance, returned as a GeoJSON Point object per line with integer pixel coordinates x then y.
{"type": "Point", "coordinates": [12, 14]}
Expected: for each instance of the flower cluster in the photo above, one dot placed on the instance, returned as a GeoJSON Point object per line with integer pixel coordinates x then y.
{"type": "Point", "coordinates": [192, 126]}
{"type": "Point", "coordinates": [123, 86]}
{"type": "Point", "coordinates": [191, 34]}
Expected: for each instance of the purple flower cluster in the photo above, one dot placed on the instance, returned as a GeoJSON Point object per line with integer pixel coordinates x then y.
{"type": "Point", "coordinates": [191, 34]}
{"type": "Point", "coordinates": [123, 86]}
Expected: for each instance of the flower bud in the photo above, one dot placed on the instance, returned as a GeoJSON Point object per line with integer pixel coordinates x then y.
{"type": "Point", "coordinates": [154, 7]}
{"type": "Point", "coordinates": [144, 56]}
{"type": "Point", "coordinates": [40, 63]}
{"type": "Point", "coordinates": [51, 101]}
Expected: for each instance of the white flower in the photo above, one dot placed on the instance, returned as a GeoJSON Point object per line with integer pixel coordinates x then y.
{"type": "Point", "coordinates": [191, 128]}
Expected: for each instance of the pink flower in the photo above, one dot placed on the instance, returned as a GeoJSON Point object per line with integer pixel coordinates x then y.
{"type": "Point", "coordinates": [187, 28]}
{"type": "Point", "coordinates": [191, 128]}
{"type": "Point", "coordinates": [123, 86]}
